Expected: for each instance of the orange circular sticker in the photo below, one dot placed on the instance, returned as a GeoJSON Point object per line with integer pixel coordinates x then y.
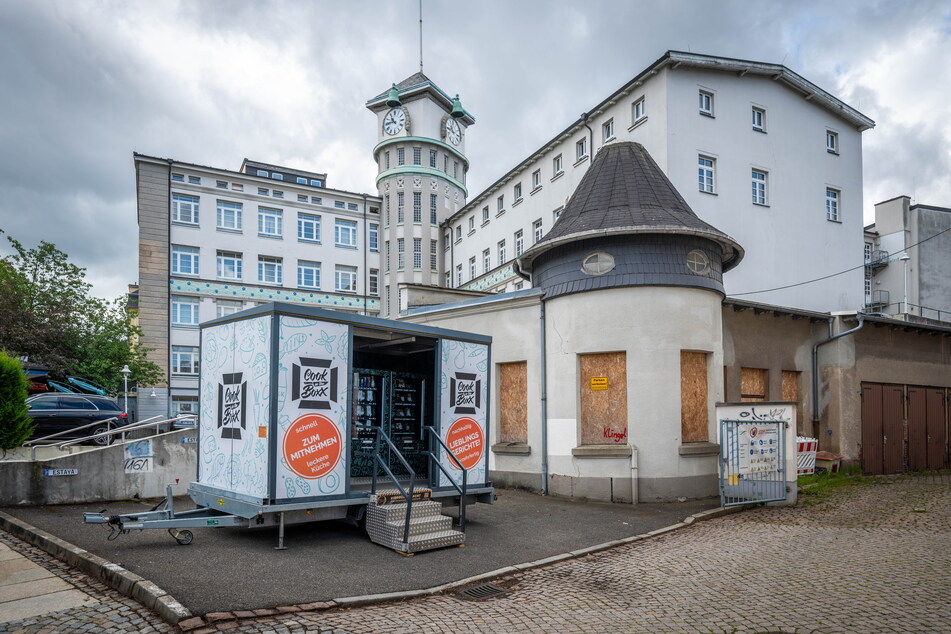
{"type": "Point", "coordinates": [312, 446]}
{"type": "Point", "coordinates": [466, 442]}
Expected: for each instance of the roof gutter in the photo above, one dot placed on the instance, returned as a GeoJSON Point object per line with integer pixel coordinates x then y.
{"type": "Point", "coordinates": [815, 361]}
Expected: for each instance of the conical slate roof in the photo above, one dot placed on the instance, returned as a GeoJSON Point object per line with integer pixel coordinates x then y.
{"type": "Point", "coordinates": [625, 192]}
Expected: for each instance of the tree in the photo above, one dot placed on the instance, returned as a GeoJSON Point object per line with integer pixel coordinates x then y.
{"type": "Point", "coordinates": [15, 424]}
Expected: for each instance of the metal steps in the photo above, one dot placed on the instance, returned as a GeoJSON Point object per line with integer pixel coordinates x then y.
{"type": "Point", "coordinates": [428, 527]}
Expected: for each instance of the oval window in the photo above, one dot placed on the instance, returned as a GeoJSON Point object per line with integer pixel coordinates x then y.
{"type": "Point", "coordinates": [698, 262]}
{"type": "Point", "coordinates": [598, 263]}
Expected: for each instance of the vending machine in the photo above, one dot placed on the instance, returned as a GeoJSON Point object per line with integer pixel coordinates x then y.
{"type": "Point", "coordinates": [396, 402]}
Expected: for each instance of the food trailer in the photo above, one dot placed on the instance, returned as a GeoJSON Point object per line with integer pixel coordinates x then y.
{"type": "Point", "coordinates": [309, 414]}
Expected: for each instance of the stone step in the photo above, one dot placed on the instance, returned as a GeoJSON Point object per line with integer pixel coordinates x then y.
{"type": "Point", "coordinates": [431, 541]}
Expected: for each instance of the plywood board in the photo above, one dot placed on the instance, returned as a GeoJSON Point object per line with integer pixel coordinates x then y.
{"type": "Point", "coordinates": [753, 382]}
{"type": "Point", "coordinates": [790, 390]}
{"type": "Point", "coordinates": [693, 396]}
{"type": "Point", "coordinates": [513, 402]}
{"type": "Point", "coordinates": [603, 412]}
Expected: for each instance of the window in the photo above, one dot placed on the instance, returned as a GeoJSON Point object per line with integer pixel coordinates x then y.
{"type": "Point", "coordinates": [759, 187]}
{"type": "Point", "coordinates": [400, 205]}
{"type": "Point", "coordinates": [228, 265]}
{"type": "Point", "coordinates": [194, 180]}
{"type": "Point", "coordinates": [346, 279]}
{"type": "Point", "coordinates": [598, 263]}
{"type": "Point", "coordinates": [693, 397]}
{"type": "Point", "coordinates": [706, 169]}
{"type": "Point", "coordinates": [221, 184]}
{"type": "Point", "coordinates": [277, 194]}
{"type": "Point", "coordinates": [607, 130]}
{"type": "Point", "coordinates": [185, 360]}
{"type": "Point", "coordinates": [417, 253]}
{"type": "Point", "coordinates": [698, 262]}
{"type": "Point", "coordinates": [706, 103]}
{"type": "Point", "coordinates": [263, 191]}
{"type": "Point", "coordinates": [185, 209]}
{"type": "Point", "coordinates": [519, 286]}
{"type": "Point", "coordinates": [556, 168]}
{"type": "Point", "coordinates": [417, 156]}
{"type": "Point", "coordinates": [433, 251]}
{"type": "Point", "coordinates": [501, 247]}
{"type": "Point", "coordinates": [301, 180]}
{"type": "Point", "coordinates": [316, 201]}
{"type": "Point", "coordinates": [270, 270]}
{"type": "Point", "coordinates": [223, 308]}
{"type": "Point", "coordinates": [277, 177]}
{"type": "Point", "coordinates": [316, 183]}
{"type": "Point", "coordinates": [432, 159]}
{"type": "Point", "coordinates": [184, 311]}
{"type": "Point", "coordinates": [458, 233]}
{"type": "Point", "coordinates": [238, 187]}
{"type": "Point", "coordinates": [638, 110]}
{"type": "Point", "coordinates": [445, 163]}
{"type": "Point", "coordinates": [432, 210]}
{"type": "Point", "coordinates": [519, 243]}
{"type": "Point", "coordinates": [472, 268]}
{"type": "Point", "coordinates": [603, 413]}
{"type": "Point", "coordinates": [386, 256]}
{"type": "Point", "coordinates": [868, 253]}
{"type": "Point", "coordinates": [302, 198]}
{"type": "Point", "coordinates": [471, 224]}
{"type": "Point", "coordinates": [486, 261]}
{"type": "Point", "coordinates": [400, 253]}
{"type": "Point", "coordinates": [270, 222]}
{"type": "Point", "coordinates": [229, 216]}
{"type": "Point", "coordinates": [536, 179]}
{"type": "Point", "coordinates": [485, 215]}
{"type": "Point", "coordinates": [353, 207]}
{"type": "Point", "coordinates": [581, 151]}
{"type": "Point", "coordinates": [386, 160]}
{"type": "Point", "coordinates": [759, 119]}
{"type": "Point", "coordinates": [448, 279]}
{"type": "Point", "coordinates": [262, 173]}
{"type": "Point", "coordinates": [754, 384]}
{"type": "Point", "coordinates": [308, 228]}
{"type": "Point", "coordinates": [184, 260]}
{"type": "Point", "coordinates": [338, 204]}
{"type": "Point", "coordinates": [417, 207]}
{"type": "Point", "coordinates": [374, 282]}
{"type": "Point", "coordinates": [557, 214]}
{"type": "Point", "coordinates": [500, 205]}
{"type": "Point", "coordinates": [178, 177]}
{"type": "Point", "coordinates": [374, 238]}
{"type": "Point", "coordinates": [400, 156]}
{"type": "Point", "coordinates": [536, 231]}
{"type": "Point", "coordinates": [386, 210]}
{"type": "Point", "coordinates": [345, 233]}
{"type": "Point", "coordinates": [517, 192]}
{"type": "Point", "coordinates": [455, 169]}
{"type": "Point", "coordinates": [308, 274]}
{"type": "Point", "coordinates": [458, 275]}
{"type": "Point", "coordinates": [832, 142]}
{"type": "Point", "coordinates": [832, 205]}
{"type": "Point", "coordinates": [448, 239]}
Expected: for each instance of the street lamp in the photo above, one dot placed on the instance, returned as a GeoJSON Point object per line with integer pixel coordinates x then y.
{"type": "Point", "coordinates": [904, 259]}
{"type": "Point", "coordinates": [125, 381]}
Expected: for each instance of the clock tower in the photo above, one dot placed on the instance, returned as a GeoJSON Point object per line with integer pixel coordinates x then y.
{"type": "Point", "coordinates": [421, 177]}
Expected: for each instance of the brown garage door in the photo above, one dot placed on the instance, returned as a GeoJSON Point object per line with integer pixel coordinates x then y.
{"type": "Point", "coordinates": [872, 428]}
{"type": "Point", "coordinates": [886, 426]}
{"type": "Point", "coordinates": [937, 428]}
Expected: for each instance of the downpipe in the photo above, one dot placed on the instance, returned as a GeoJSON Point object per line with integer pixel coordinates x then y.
{"type": "Point", "coordinates": [544, 403]}
{"type": "Point", "coordinates": [815, 362]}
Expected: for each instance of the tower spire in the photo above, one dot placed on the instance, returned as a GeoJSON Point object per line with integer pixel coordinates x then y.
{"type": "Point", "coordinates": [420, 36]}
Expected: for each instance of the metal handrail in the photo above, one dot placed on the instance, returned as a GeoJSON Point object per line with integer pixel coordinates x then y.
{"type": "Point", "coordinates": [66, 431]}
{"type": "Point", "coordinates": [148, 422]}
{"type": "Point", "coordinates": [380, 434]}
{"type": "Point", "coordinates": [465, 476]}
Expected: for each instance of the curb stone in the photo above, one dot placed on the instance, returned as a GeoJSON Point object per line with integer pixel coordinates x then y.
{"type": "Point", "coordinates": [113, 575]}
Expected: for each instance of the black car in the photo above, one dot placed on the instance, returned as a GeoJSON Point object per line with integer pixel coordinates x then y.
{"type": "Point", "coordinates": [53, 413]}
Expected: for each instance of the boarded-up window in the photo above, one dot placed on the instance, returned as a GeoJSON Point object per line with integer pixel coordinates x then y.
{"type": "Point", "coordinates": [693, 396]}
{"type": "Point", "coordinates": [603, 398]}
{"type": "Point", "coordinates": [513, 402]}
{"type": "Point", "coordinates": [753, 385]}
{"type": "Point", "coordinates": [791, 393]}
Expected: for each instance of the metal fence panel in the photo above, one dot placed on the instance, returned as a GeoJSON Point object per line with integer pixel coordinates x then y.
{"type": "Point", "coordinates": [752, 461]}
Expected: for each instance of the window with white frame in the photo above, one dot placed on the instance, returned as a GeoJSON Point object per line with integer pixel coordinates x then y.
{"type": "Point", "coordinates": [417, 156]}
{"type": "Point", "coordinates": [486, 261]}
{"type": "Point", "coordinates": [759, 181]}
{"type": "Point", "coordinates": [455, 169]}
{"type": "Point", "coordinates": [302, 198]}
{"type": "Point", "coordinates": [832, 142]}
{"type": "Point", "coordinates": [432, 210]}
{"type": "Point", "coordinates": [519, 242]}
{"type": "Point", "coordinates": [472, 268]}
{"type": "Point", "coordinates": [581, 148]}
{"type": "Point", "coordinates": [832, 204]}
{"type": "Point", "coordinates": [316, 201]}
{"type": "Point", "coordinates": [638, 110]}
{"type": "Point", "coordinates": [345, 279]}
{"type": "Point", "coordinates": [758, 119]}
{"type": "Point", "coordinates": [229, 215]}
{"type": "Point", "coordinates": [400, 207]}
{"type": "Point", "coordinates": [353, 206]}
{"type": "Point", "coordinates": [373, 283]}
{"type": "Point", "coordinates": [706, 103]}
{"type": "Point", "coordinates": [417, 253]}
{"type": "Point", "coordinates": [472, 224]}
{"type": "Point", "coordinates": [433, 255]}
{"type": "Point", "coordinates": [519, 285]}
{"type": "Point", "coordinates": [185, 360]}
{"type": "Point", "coordinates": [308, 274]}
{"type": "Point", "coordinates": [228, 265]}
{"type": "Point", "coordinates": [277, 177]}
{"type": "Point", "coordinates": [556, 214]}
{"type": "Point", "coordinates": [263, 191]}
{"type": "Point", "coordinates": [185, 209]}
{"type": "Point", "coordinates": [270, 222]}
{"type": "Point", "coordinates": [556, 166]}
{"type": "Point", "coordinates": [448, 277]}
{"type": "Point", "coordinates": [301, 180]}
{"type": "Point", "coordinates": [277, 194]}
{"type": "Point", "coordinates": [501, 252]}
{"type": "Point", "coordinates": [386, 210]}
{"type": "Point", "coordinates": [536, 231]}
{"type": "Point", "coordinates": [417, 207]}
{"type": "Point", "coordinates": [308, 228]}
{"type": "Point", "coordinates": [270, 270]}
{"type": "Point", "coordinates": [386, 160]}
{"type": "Point", "coordinates": [184, 260]}
{"type": "Point", "coordinates": [706, 174]}
{"type": "Point", "coordinates": [607, 130]}
{"type": "Point", "coordinates": [178, 177]}
{"type": "Point", "coordinates": [868, 253]}
{"type": "Point", "coordinates": [345, 233]}
{"type": "Point", "coordinates": [400, 156]}
{"type": "Point", "coordinates": [485, 215]}
{"type": "Point", "coordinates": [499, 205]}
{"type": "Point", "coordinates": [447, 236]}
{"type": "Point", "coordinates": [517, 192]}
{"type": "Point", "coordinates": [458, 275]}
{"type": "Point", "coordinates": [184, 311]}
{"type": "Point", "coordinates": [374, 237]}
{"type": "Point", "coordinates": [386, 256]}
{"type": "Point", "coordinates": [445, 163]}
{"type": "Point", "coordinates": [224, 307]}
{"type": "Point", "coordinates": [458, 233]}
{"type": "Point", "coordinates": [536, 179]}
{"type": "Point", "coordinates": [432, 158]}
{"type": "Point", "coordinates": [400, 253]}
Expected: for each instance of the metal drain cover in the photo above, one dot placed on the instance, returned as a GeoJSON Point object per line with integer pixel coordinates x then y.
{"type": "Point", "coordinates": [482, 592]}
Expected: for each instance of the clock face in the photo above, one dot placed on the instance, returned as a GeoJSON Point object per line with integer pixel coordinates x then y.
{"type": "Point", "coordinates": [453, 131]}
{"type": "Point", "coordinates": [394, 120]}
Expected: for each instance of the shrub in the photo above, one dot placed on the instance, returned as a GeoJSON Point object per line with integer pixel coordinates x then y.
{"type": "Point", "coordinates": [15, 424]}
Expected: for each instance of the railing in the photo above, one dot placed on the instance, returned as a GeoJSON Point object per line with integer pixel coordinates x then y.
{"type": "Point", "coordinates": [465, 475]}
{"type": "Point", "coordinates": [877, 259]}
{"type": "Point", "coordinates": [381, 435]}
{"type": "Point", "coordinates": [895, 309]}
{"type": "Point", "coordinates": [142, 424]}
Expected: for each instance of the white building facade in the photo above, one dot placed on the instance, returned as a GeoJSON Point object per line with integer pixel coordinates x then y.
{"type": "Point", "coordinates": [755, 149]}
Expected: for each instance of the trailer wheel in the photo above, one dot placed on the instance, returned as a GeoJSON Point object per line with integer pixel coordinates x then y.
{"type": "Point", "coordinates": [182, 537]}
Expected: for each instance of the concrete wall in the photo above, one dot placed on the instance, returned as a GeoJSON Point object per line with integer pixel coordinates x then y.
{"type": "Point", "coordinates": [152, 199]}
{"type": "Point", "coordinates": [933, 276]}
{"type": "Point", "coordinates": [103, 474]}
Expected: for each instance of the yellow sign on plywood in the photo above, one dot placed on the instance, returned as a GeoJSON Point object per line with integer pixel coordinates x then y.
{"type": "Point", "coordinates": [599, 383]}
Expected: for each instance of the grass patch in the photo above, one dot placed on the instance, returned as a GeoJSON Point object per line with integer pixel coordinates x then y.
{"type": "Point", "coordinates": [816, 488]}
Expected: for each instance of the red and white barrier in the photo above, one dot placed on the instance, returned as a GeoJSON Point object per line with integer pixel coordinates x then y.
{"type": "Point", "coordinates": [806, 455]}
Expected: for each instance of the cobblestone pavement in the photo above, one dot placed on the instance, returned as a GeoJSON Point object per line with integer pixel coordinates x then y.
{"type": "Point", "coordinates": [111, 611]}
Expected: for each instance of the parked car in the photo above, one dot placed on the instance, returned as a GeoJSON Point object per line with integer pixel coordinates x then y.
{"type": "Point", "coordinates": [53, 413]}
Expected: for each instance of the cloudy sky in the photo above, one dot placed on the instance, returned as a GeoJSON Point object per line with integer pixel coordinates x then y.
{"type": "Point", "coordinates": [83, 84]}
